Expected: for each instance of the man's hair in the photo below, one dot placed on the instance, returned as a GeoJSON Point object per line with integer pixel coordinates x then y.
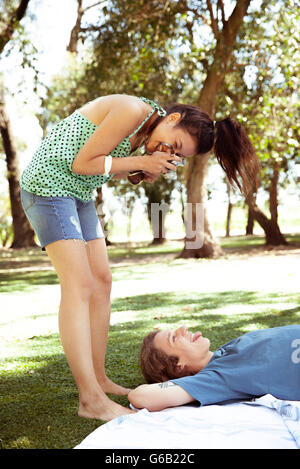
{"type": "Point", "coordinates": [156, 365]}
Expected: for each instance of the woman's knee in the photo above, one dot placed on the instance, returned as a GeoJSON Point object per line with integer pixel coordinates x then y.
{"type": "Point", "coordinates": [79, 287]}
{"type": "Point", "coordinates": [102, 281]}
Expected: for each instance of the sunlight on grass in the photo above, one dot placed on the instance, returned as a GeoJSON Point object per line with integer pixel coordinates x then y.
{"type": "Point", "coordinates": [21, 443]}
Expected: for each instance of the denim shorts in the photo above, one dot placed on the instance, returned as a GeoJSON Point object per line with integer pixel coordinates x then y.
{"type": "Point", "coordinates": [56, 218]}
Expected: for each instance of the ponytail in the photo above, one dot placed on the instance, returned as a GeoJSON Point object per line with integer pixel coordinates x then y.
{"type": "Point", "coordinates": [236, 155]}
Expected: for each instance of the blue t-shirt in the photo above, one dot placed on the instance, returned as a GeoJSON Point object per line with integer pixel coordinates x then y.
{"type": "Point", "coordinates": [257, 363]}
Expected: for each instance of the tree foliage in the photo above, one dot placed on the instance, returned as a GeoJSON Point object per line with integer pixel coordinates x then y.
{"type": "Point", "coordinates": [267, 102]}
{"type": "Point", "coordinates": [11, 14]}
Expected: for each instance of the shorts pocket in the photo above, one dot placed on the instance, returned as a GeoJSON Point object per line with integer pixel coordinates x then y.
{"type": "Point", "coordinates": [27, 199]}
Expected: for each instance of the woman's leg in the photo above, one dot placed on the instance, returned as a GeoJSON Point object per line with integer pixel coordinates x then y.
{"type": "Point", "coordinates": [69, 258]}
{"type": "Point", "coordinates": [100, 312]}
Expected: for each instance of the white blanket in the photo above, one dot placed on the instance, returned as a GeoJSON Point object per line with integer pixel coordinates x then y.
{"type": "Point", "coordinates": [265, 422]}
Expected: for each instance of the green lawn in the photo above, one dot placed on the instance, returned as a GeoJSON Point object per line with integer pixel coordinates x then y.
{"type": "Point", "coordinates": [248, 288]}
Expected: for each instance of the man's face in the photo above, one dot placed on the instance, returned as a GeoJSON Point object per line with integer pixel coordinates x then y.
{"type": "Point", "coordinates": [191, 349]}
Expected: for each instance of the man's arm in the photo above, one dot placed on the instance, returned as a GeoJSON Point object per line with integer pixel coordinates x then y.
{"type": "Point", "coordinates": [158, 396]}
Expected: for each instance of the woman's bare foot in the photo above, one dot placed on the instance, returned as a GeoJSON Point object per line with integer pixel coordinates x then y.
{"type": "Point", "coordinates": [109, 386]}
{"type": "Point", "coordinates": [102, 408]}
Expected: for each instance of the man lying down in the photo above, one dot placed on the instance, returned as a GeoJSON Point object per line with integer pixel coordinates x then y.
{"type": "Point", "coordinates": [183, 369]}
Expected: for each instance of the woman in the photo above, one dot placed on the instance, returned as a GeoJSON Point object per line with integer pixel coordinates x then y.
{"type": "Point", "coordinates": [83, 152]}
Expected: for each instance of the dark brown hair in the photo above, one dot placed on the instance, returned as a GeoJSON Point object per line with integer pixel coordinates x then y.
{"type": "Point", "coordinates": [228, 140]}
{"type": "Point", "coordinates": [156, 365]}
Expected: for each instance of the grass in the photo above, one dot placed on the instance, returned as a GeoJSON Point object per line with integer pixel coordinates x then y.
{"type": "Point", "coordinates": [38, 397]}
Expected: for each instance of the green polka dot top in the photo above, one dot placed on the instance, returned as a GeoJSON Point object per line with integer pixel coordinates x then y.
{"type": "Point", "coordinates": [50, 171]}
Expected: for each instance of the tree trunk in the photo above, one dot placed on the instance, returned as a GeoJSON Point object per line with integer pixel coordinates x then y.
{"type": "Point", "coordinates": [182, 204]}
{"type": "Point", "coordinates": [157, 210]}
{"type": "Point", "coordinates": [198, 165]}
{"type": "Point", "coordinates": [8, 30]}
{"type": "Point", "coordinates": [156, 216]}
{"type": "Point", "coordinates": [272, 231]}
{"type": "Point", "coordinates": [199, 241]}
{"type": "Point", "coordinates": [229, 209]}
{"type": "Point", "coordinates": [274, 237]}
{"type": "Point", "coordinates": [250, 218]}
{"type": "Point", "coordinates": [273, 198]}
{"type": "Point", "coordinates": [250, 223]}
{"type": "Point", "coordinates": [101, 215]}
{"type": "Point", "coordinates": [73, 43]}
{"type": "Point", "coordinates": [23, 233]}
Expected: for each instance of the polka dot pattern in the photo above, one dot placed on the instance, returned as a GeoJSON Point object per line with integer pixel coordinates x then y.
{"type": "Point", "coordinates": [50, 171]}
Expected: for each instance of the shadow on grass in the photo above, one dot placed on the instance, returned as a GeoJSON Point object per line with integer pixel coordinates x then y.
{"type": "Point", "coordinates": [26, 281]}
{"type": "Point", "coordinates": [217, 328]}
{"type": "Point", "coordinates": [240, 243]}
{"type": "Point", "coordinates": [208, 301]}
{"type": "Point", "coordinates": [37, 262]}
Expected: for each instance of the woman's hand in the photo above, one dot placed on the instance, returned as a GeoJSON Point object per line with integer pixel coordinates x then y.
{"type": "Point", "coordinates": [149, 177]}
{"type": "Point", "coordinates": [159, 163]}
{"type": "Point", "coordinates": [120, 175]}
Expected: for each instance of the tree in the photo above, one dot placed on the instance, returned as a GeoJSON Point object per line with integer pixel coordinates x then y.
{"type": "Point", "coordinates": [11, 17]}
{"type": "Point", "coordinates": [229, 208]}
{"type": "Point", "coordinates": [23, 233]}
{"type": "Point", "coordinates": [159, 196]}
{"type": "Point", "coordinates": [77, 28]}
{"type": "Point", "coordinates": [250, 223]}
{"type": "Point", "coordinates": [268, 107]}
{"type": "Point", "coordinates": [225, 33]}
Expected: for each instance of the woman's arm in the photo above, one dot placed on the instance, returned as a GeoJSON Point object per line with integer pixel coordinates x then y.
{"type": "Point", "coordinates": [118, 123]}
{"type": "Point", "coordinates": [159, 396]}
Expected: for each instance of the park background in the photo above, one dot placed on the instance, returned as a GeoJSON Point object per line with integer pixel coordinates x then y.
{"type": "Point", "coordinates": [233, 57]}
